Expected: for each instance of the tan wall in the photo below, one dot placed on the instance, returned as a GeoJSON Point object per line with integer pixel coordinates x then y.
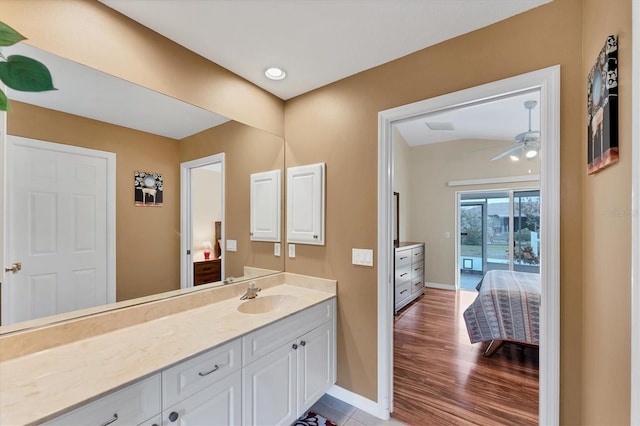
{"type": "Point", "coordinates": [92, 34]}
{"type": "Point", "coordinates": [402, 182]}
{"type": "Point", "coordinates": [337, 124]}
{"type": "Point", "coordinates": [607, 236]}
{"type": "Point", "coordinates": [432, 203]}
{"type": "Point", "coordinates": [247, 150]}
{"type": "Point", "coordinates": [139, 230]}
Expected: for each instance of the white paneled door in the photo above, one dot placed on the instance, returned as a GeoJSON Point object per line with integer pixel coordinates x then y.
{"type": "Point", "coordinates": [58, 226]}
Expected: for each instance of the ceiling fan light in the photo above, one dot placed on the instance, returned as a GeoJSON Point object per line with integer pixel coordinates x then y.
{"type": "Point", "coordinates": [514, 157]}
{"type": "Point", "coordinates": [531, 153]}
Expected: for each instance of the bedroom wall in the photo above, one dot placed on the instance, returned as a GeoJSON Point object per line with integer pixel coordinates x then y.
{"type": "Point", "coordinates": [338, 124]}
{"type": "Point", "coordinates": [433, 202]}
{"type": "Point", "coordinates": [402, 181]}
{"type": "Point", "coordinates": [607, 235]}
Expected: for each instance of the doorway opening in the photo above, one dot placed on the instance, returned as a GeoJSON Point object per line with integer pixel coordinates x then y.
{"type": "Point", "coordinates": [202, 221]}
{"type": "Point", "coordinates": [547, 81]}
{"type": "Point", "coordinates": [498, 230]}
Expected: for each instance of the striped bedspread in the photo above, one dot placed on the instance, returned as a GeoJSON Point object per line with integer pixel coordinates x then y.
{"type": "Point", "coordinates": [507, 308]}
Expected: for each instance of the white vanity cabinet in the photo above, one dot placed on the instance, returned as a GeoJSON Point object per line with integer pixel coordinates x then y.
{"type": "Point", "coordinates": [204, 389]}
{"type": "Point", "coordinates": [288, 366]}
{"type": "Point", "coordinates": [136, 404]}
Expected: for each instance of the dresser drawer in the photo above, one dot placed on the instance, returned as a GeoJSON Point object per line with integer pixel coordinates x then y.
{"type": "Point", "coordinates": [129, 406]}
{"type": "Point", "coordinates": [403, 258]}
{"type": "Point", "coordinates": [207, 271]}
{"type": "Point", "coordinates": [417, 254]}
{"type": "Point", "coordinates": [403, 291]}
{"type": "Point", "coordinates": [191, 376]}
{"type": "Point", "coordinates": [417, 269]}
{"type": "Point", "coordinates": [417, 284]}
{"type": "Point", "coordinates": [403, 274]}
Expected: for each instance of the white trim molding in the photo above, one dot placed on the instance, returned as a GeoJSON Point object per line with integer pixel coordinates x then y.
{"type": "Point", "coordinates": [635, 217]}
{"type": "Point", "coordinates": [440, 286]}
{"type": "Point", "coordinates": [186, 225]}
{"type": "Point", "coordinates": [357, 401]}
{"type": "Point", "coordinates": [495, 180]}
{"type": "Point", "coordinates": [548, 82]}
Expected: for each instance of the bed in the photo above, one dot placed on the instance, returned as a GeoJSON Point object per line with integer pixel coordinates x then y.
{"type": "Point", "coordinates": [507, 309]}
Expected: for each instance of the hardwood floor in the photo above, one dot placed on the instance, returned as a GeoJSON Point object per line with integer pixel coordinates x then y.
{"type": "Point", "coordinates": [442, 379]}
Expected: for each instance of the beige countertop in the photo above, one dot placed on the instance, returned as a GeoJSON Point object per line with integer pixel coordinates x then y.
{"type": "Point", "coordinates": [43, 384]}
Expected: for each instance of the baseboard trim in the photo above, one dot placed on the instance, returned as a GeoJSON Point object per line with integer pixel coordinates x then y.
{"type": "Point", "coordinates": [359, 402]}
{"type": "Point", "coordinates": [440, 286]}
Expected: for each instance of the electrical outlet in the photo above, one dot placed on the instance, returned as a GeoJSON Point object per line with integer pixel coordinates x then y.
{"type": "Point", "coordinates": [292, 251]}
{"type": "Point", "coordinates": [276, 249]}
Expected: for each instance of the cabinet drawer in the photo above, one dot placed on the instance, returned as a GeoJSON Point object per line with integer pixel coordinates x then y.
{"type": "Point", "coordinates": [417, 285]}
{"type": "Point", "coordinates": [417, 254]}
{"type": "Point", "coordinates": [403, 274]}
{"type": "Point", "coordinates": [403, 291]}
{"type": "Point", "coordinates": [207, 271]}
{"type": "Point", "coordinates": [262, 341]}
{"type": "Point", "coordinates": [130, 406]}
{"type": "Point", "coordinates": [417, 269]}
{"type": "Point", "coordinates": [403, 258]}
{"type": "Point", "coordinates": [191, 376]}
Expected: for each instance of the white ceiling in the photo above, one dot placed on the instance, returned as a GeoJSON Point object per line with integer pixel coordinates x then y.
{"type": "Point", "coordinates": [500, 119]}
{"type": "Point", "coordinates": [89, 93]}
{"type": "Point", "coordinates": [315, 41]}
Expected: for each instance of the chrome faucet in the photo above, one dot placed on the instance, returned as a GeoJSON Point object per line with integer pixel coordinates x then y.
{"type": "Point", "coordinates": [252, 291]}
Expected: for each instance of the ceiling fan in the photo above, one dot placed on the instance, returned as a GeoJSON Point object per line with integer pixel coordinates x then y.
{"type": "Point", "coordinates": [526, 143]}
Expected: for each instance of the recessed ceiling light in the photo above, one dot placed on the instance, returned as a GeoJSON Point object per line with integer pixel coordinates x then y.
{"type": "Point", "coordinates": [275, 73]}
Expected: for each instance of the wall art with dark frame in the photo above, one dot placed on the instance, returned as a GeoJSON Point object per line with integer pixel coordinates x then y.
{"type": "Point", "coordinates": [602, 109]}
{"type": "Point", "coordinates": [147, 188]}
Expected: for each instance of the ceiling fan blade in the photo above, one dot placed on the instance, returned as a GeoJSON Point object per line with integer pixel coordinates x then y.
{"type": "Point", "coordinates": [507, 152]}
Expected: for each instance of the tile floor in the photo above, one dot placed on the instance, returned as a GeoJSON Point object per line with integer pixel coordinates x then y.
{"type": "Point", "coordinates": [344, 414]}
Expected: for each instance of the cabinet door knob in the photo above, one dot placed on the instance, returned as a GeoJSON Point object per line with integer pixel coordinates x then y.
{"type": "Point", "coordinates": [315, 237]}
{"type": "Point", "coordinates": [173, 416]}
{"type": "Point", "coordinates": [295, 347]}
{"type": "Point", "coordinates": [302, 343]}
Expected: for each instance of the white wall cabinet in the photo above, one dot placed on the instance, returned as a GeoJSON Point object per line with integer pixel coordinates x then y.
{"type": "Point", "coordinates": [305, 204]}
{"type": "Point", "coordinates": [269, 376]}
{"type": "Point", "coordinates": [280, 383]}
{"type": "Point", "coordinates": [265, 206]}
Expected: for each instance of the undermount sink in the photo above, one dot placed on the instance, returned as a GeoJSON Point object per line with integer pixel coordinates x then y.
{"type": "Point", "coordinates": [264, 304]}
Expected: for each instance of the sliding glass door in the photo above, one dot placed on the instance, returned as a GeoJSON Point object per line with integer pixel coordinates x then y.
{"type": "Point", "coordinates": [497, 230]}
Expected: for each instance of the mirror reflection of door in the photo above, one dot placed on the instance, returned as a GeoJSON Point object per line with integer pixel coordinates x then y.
{"type": "Point", "coordinates": [471, 243]}
{"type": "Point", "coordinates": [59, 215]}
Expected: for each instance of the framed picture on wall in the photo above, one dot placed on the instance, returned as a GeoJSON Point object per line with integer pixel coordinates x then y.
{"type": "Point", "coordinates": [602, 109]}
{"type": "Point", "coordinates": [147, 188]}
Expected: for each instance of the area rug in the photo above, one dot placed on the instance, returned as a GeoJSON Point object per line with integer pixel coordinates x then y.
{"type": "Point", "coordinates": [313, 419]}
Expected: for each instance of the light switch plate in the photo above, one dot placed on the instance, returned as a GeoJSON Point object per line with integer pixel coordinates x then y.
{"type": "Point", "coordinates": [232, 245]}
{"type": "Point", "coordinates": [276, 249]}
{"type": "Point", "coordinates": [292, 250]}
{"type": "Point", "coordinates": [363, 257]}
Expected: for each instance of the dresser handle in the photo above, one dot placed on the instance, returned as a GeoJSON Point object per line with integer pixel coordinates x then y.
{"type": "Point", "coordinates": [403, 291]}
{"type": "Point", "coordinates": [173, 416]}
{"type": "Point", "coordinates": [108, 422]}
{"type": "Point", "coordinates": [402, 275]}
{"type": "Point", "coordinates": [403, 257]}
{"type": "Point", "coordinates": [215, 368]}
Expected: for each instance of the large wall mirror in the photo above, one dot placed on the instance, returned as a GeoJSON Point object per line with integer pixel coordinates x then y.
{"type": "Point", "coordinates": [146, 132]}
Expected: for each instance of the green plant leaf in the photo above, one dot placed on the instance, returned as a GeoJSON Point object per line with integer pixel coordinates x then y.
{"type": "Point", "coordinates": [9, 36]}
{"type": "Point", "coordinates": [25, 74]}
{"type": "Point", "coordinates": [4, 102]}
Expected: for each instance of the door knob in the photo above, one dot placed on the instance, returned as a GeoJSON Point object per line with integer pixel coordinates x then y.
{"type": "Point", "coordinates": [14, 268]}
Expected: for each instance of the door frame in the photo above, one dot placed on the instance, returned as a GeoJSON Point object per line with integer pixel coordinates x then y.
{"type": "Point", "coordinates": [548, 81]}
{"type": "Point", "coordinates": [635, 216]}
{"type": "Point", "coordinates": [110, 158]}
{"type": "Point", "coordinates": [186, 224]}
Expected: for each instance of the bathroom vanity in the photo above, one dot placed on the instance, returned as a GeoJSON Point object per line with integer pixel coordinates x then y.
{"type": "Point", "coordinates": [258, 361]}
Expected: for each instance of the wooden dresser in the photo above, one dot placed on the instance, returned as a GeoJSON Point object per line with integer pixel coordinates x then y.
{"type": "Point", "coordinates": [409, 273]}
{"type": "Point", "coordinates": [206, 271]}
